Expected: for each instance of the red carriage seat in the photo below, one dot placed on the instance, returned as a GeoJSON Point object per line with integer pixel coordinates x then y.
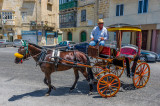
{"type": "Point", "coordinates": [105, 51]}
{"type": "Point", "coordinates": [128, 51]}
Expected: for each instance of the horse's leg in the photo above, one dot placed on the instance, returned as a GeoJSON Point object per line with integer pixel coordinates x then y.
{"type": "Point", "coordinates": [48, 78]}
{"type": "Point", "coordinates": [76, 78]}
{"type": "Point", "coordinates": [83, 71]}
{"type": "Point", "coordinates": [45, 82]}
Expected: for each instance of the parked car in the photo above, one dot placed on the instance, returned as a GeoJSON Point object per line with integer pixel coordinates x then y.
{"type": "Point", "coordinates": [68, 45]}
{"type": "Point", "coordinates": [82, 47]}
{"type": "Point", "coordinates": [5, 43]}
{"type": "Point", "coordinates": [18, 42]}
{"type": "Point", "coordinates": [158, 59]}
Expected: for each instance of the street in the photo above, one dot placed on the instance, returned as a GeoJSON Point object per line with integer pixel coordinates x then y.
{"type": "Point", "coordinates": [22, 85]}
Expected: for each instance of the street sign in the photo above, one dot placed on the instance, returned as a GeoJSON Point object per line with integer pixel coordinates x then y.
{"type": "Point", "coordinates": [28, 32]}
{"type": "Point", "coordinates": [39, 33]}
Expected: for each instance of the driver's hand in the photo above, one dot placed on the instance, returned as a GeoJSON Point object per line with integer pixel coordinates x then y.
{"type": "Point", "coordinates": [92, 39]}
{"type": "Point", "coordinates": [102, 38]}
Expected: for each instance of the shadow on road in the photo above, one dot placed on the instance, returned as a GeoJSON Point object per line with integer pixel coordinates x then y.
{"type": "Point", "coordinates": [127, 87]}
{"type": "Point", "coordinates": [37, 93]}
{"type": "Point", "coordinates": [82, 88]}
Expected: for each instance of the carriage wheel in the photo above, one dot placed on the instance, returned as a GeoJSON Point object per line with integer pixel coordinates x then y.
{"type": "Point", "coordinates": [116, 70]}
{"type": "Point", "coordinates": [108, 85]}
{"type": "Point", "coordinates": [141, 75]}
{"type": "Point", "coordinates": [98, 73]}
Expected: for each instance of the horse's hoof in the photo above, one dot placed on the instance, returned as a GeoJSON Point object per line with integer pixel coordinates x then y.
{"type": "Point", "coordinates": [47, 94]}
{"type": "Point", "coordinates": [90, 93]}
{"type": "Point", "coordinates": [53, 87]}
{"type": "Point", "coordinates": [70, 91]}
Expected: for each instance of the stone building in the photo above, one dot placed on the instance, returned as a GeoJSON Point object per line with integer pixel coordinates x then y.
{"type": "Point", "coordinates": [87, 13]}
{"type": "Point", "coordinates": [30, 19]}
{"type": "Point", "coordinates": [142, 13]}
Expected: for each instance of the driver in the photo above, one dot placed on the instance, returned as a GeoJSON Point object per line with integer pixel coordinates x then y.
{"type": "Point", "coordinates": [99, 33]}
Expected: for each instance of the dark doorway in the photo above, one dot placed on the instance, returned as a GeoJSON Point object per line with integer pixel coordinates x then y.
{"type": "Point", "coordinates": [69, 36]}
{"type": "Point", "coordinates": [83, 36]}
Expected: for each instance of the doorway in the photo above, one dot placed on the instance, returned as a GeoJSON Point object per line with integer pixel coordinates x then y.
{"type": "Point", "coordinates": [83, 36]}
{"type": "Point", "coordinates": [70, 36]}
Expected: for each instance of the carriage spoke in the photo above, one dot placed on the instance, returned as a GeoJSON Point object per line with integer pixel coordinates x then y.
{"type": "Point", "coordinates": [109, 91]}
{"type": "Point", "coordinates": [145, 69]}
{"type": "Point", "coordinates": [114, 83]}
{"type": "Point", "coordinates": [112, 89]}
{"type": "Point", "coordinates": [145, 73]}
{"type": "Point", "coordinates": [115, 87]}
{"type": "Point", "coordinates": [104, 90]}
{"type": "Point", "coordinates": [140, 81]}
{"type": "Point", "coordinates": [137, 81]}
{"type": "Point", "coordinates": [103, 87]}
{"type": "Point", "coordinates": [136, 78]}
{"type": "Point", "coordinates": [102, 83]}
{"type": "Point", "coordinates": [144, 80]}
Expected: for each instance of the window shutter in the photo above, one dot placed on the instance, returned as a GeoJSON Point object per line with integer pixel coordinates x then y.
{"type": "Point", "coordinates": [117, 10]}
{"type": "Point", "coordinates": [145, 6]}
{"type": "Point", "coordinates": [83, 15]}
{"type": "Point", "coordinates": [121, 9]}
{"type": "Point", "coordinates": [140, 7]}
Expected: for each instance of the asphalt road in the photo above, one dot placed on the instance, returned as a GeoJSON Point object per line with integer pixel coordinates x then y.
{"type": "Point", "coordinates": [22, 85]}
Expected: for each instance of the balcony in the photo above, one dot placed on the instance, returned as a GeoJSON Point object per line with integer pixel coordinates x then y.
{"type": "Point", "coordinates": [67, 24]}
{"type": "Point", "coordinates": [68, 5]}
{"type": "Point", "coordinates": [9, 22]}
{"type": "Point", "coordinates": [49, 24]}
{"type": "Point", "coordinates": [29, 0]}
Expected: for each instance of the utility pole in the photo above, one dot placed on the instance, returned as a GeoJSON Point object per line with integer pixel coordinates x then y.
{"type": "Point", "coordinates": [2, 23]}
{"type": "Point", "coordinates": [36, 22]}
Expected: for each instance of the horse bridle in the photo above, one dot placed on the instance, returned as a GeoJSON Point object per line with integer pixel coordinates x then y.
{"type": "Point", "coordinates": [25, 45]}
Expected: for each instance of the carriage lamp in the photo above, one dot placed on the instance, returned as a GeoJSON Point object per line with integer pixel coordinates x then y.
{"type": "Point", "coordinates": [18, 55]}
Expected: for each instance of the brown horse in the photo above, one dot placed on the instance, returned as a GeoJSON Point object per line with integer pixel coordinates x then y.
{"type": "Point", "coordinates": [48, 68]}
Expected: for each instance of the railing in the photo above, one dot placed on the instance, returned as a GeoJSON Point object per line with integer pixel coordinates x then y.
{"type": "Point", "coordinates": [29, 0]}
{"type": "Point", "coordinates": [9, 22]}
{"type": "Point", "coordinates": [68, 5]}
{"type": "Point", "coordinates": [67, 24]}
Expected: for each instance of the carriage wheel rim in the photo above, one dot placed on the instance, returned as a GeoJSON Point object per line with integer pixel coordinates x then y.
{"type": "Point", "coordinates": [109, 87]}
{"type": "Point", "coordinates": [141, 75]}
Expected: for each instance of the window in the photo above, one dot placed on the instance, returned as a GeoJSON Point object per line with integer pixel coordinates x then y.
{"type": "Point", "coordinates": [69, 17]}
{"type": "Point", "coordinates": [24, 16]}
{"type": "Point", "coordinates": [83, 15]}
{"type": "Point", "coordinates": [119, 10]}
{"type": "Point", "coordinates": [7, 15]}
{"type": "Point", "coordinates": [143, 6]}
{"type": "Point", "coordinates": [49, 7]}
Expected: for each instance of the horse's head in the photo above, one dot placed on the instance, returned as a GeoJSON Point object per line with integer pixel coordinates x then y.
{"type": "Point", "coordinates": [22, 54]}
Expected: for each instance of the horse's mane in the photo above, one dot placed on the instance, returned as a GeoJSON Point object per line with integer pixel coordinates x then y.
{"type": "Point", "coordinates": [35, 45]}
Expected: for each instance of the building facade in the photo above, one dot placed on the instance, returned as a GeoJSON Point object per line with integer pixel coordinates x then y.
{"type": "Point", "coordinates": [141, 13]}
{"type": "Point", "coordinates": [33, 20]}
{"type": "Point", "coordinates": [85, 18]}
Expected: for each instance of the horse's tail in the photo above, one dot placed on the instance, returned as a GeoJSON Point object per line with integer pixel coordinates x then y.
{"type": "Point", "coordinates": [89, 70]}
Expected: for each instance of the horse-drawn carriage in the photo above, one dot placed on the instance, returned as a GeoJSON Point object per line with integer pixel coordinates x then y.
{"type": "Point", "coordinates": [108, 65]}
{"type": "Point", "coordinates": [110, 62]}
